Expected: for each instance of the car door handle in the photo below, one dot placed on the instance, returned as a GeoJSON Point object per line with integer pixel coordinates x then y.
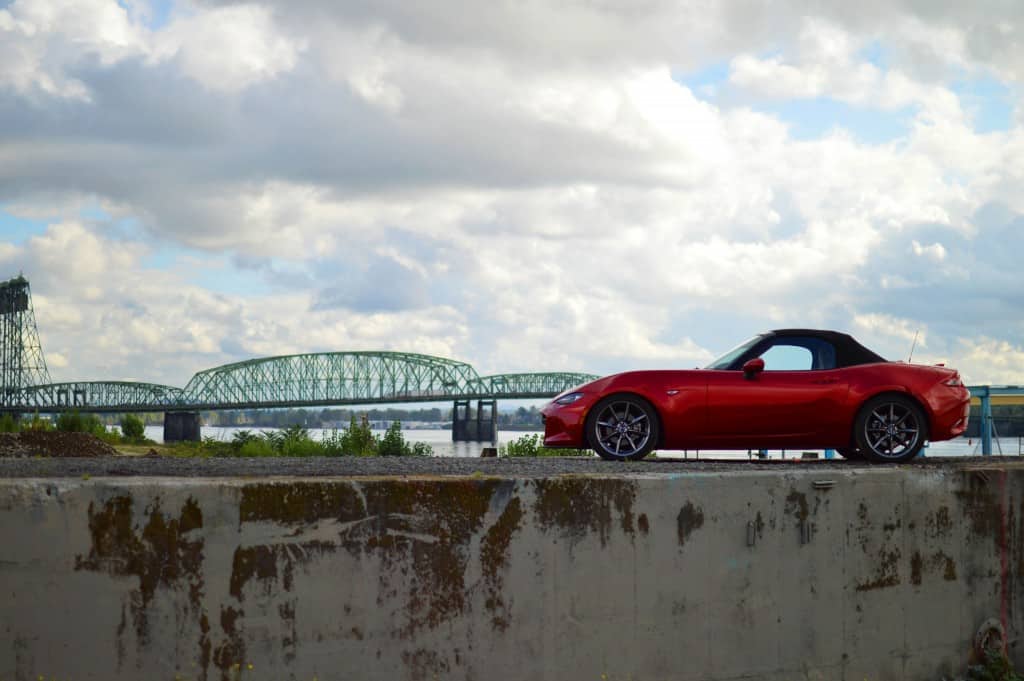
{"type": "Point", "coordinates": [825, 381]}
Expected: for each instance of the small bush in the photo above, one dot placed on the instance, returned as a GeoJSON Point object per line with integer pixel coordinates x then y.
{"type": "Point", "coordinates": [133, 428]}
{"type": "Point", "coordinates": [8, 424]}
{"type": "Point", "coordinates": [37, 424]}
{"type": "Point", "coordinates": [359, 439]}
{"type": "Point", "coordinates": [393, 443]}
{"type": "Point", "coordinates": [532, 445]}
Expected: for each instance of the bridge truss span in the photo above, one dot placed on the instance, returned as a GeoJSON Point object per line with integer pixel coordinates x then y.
{"type": "Point", "coordinates": [523, 385]}
{"type": "Point", "coordinates": [331, 378]}
{"type": "Point", "coordinates": [100, 396]}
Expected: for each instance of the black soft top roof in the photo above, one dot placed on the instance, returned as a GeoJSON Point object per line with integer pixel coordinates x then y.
{"type": "Point", "coordinates": [848, 351]}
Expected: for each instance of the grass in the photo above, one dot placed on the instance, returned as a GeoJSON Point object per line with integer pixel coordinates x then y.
{"type": "Point", "coordinates": [531, 445]}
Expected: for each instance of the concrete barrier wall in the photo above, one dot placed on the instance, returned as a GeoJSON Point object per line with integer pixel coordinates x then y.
{"type": "Point", "coordinates": [880, 573]}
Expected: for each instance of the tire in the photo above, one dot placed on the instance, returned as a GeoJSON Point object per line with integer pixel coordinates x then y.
{"type": "Point", "coordinates": [890, 429]}
{"type": "Point", "coordinates": [850, 453]}
{"type": "Point", "coordinates": [623, 428]}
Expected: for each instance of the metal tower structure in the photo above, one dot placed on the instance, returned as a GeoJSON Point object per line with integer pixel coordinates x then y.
{"type": "Point", "coordinates": [21, 355]}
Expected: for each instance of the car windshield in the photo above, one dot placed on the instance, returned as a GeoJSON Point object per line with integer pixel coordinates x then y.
{"type": "Point", "coordinates": [728, 358]}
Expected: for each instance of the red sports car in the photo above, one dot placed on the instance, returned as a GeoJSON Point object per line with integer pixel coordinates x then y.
{"type": "Point", "coordinates": [786, 389]}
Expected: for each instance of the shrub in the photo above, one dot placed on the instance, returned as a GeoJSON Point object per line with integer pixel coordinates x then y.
{"type": "Point", "coordinates": [393, 443]}
{"type": "Point", "coordinates": [8, 424]}
{"type": "Point", "coordinates": [70, 422]}
{"type": "Point", "coordinates": [75, 422]}
{"type": "Point", "coordinates": [359, 440]}
{"type": "Point", "coordinates": [38, 424]}
{"type": "Point", "coordinates": [531, 445]}
{"type": "Point", "coordinates": [133, 428]}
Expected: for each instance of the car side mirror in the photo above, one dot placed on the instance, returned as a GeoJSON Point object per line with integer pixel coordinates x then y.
{"type": "Point", "coordinates": [752, 368]}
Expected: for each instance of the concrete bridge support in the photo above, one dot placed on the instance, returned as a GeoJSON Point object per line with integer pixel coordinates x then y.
{"type": "Point", "coordinates": [483, 428]}
{"type": "Point", "coordinates": [181, 426]}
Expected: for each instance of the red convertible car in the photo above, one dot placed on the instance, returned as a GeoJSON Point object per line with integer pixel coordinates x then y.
{"type": "Point", "coordinates": [787, 389]}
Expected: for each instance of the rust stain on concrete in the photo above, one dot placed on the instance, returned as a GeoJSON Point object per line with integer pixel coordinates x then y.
{"type": "Point", "coordinates": [690, 518]}
{"type": "Point", "coordinates": [581, 506]}
{"type": "Point", "coordinates": [494, 558]}
{"type": "Point", "coordinates": [159, 556]}
{"type": "Point", "coordinates": [887, 574]}
{"type": "Point", "coordinates": [299, 502]}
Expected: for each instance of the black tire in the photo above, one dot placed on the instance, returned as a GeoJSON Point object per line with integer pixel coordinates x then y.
{"type": "Point", "coordinates": [850, 453]}
{"type": "Point", "coordinates": [623, 428]}
{"type": "Point", "coordinates": [890, 429]}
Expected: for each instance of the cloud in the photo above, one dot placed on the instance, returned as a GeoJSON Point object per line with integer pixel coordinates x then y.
{"type": "Point", "coordinates": [524, 186]}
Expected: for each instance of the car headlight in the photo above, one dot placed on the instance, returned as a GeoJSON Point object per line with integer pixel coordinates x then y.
{"type": "Point", "coordinates": [954, 383]}
{"type": "Point", "coordinates": [569, 399]}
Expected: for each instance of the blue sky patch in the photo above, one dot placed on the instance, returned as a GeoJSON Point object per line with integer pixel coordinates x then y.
{"type": "Point", "coordinates": [703, 82]}
{"type": "Point", "coordinates": [17, 230]}
{"type": "Point", "coordinates": [159, 12]}
{"type": "Point", "coordinates": [988, 102]}
{"type": "Point", "coordinates": [810, 119]}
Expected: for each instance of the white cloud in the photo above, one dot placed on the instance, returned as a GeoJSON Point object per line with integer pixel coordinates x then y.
{"type": "Point", "coordinates": [935, 252]}
{"type": "Point", "coordinates": [227, 48]}
{"type": "Point", "coordinates": [526, 186]}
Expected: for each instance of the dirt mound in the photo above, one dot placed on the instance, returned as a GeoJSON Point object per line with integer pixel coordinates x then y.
{"type": "Point", "coordinates": [56, 443]}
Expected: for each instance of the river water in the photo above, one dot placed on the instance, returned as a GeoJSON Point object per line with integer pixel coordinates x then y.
{"type": "Point", "coordinates": [441, 441]}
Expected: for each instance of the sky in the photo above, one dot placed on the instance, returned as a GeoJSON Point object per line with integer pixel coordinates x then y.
{"type": "Point", "coordinates": [525, 185]}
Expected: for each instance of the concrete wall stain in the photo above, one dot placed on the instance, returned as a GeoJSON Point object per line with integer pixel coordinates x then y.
{"type": "Point", "coordinates": [424, 527]}
{"type": "Point", "coordinates": [939, 524]}
{"type": "Point", "coordinates": [916, 565]}
{"type": "Point", "coordinates": [229, 656]}
{"type": "Point", "coordinates": [980, 505]}
{"type": "Point", "coordinates": [426, 665]}
{"type": "Point", "coordinates": [887, 574]}
{"type": "Point", "coordinates": [494, 558]}
{"type": "Point", "coordinates": [690, 518]}
{"type": "Point", "coordinates": [939, 563]}
{"type": "Point", "coordinates": [581, 506]}
{"type": "Point", "coordinates": [796, 506]}
{"type": "Point", "coordinates": [160, 556]}
{"type": "Point", "coordinates": [299, 502]}
{"type": "Point", "coordinates": [643, 524]}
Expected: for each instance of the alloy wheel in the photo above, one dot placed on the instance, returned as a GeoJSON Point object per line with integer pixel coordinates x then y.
{"type": "Point", "coordinates": [622, 429]}
{"type": "Point", "coordinates": [892, 430]}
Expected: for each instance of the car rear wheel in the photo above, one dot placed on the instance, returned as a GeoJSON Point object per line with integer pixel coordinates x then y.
{"type": "Point", "coordinates": [890, 429]}
{"type": "Point", "coordinates": [622, 428]}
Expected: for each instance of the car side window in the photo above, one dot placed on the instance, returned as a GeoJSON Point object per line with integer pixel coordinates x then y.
{"type": "Point", "coordinates": [799, 354]}
{"type": "Point", "coordinates": [787, 358]}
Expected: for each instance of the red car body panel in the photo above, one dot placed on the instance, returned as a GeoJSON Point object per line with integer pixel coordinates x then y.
{"type": "Point", "coordinates": [725, 409]}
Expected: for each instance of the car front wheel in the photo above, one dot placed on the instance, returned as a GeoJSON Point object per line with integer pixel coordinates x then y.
{"type": "Point", "coordinates": [890, 429]}
{"type": "Point", "coordinates": [622, 427]}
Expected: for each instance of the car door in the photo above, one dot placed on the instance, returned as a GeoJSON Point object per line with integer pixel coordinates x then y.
{"type": "Point", "coordinates": [796, 401]}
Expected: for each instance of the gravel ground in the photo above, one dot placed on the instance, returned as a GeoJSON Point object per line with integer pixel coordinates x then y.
{"type": "Point", "coordinates": [132, 466]}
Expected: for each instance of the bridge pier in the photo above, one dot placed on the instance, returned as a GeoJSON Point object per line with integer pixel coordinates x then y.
{"type": "Point", "coordinates": [482, 428]}
{"type": "Point", "coordinates": [181, 426]}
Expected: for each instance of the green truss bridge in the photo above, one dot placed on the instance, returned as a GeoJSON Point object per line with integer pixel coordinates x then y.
{"type": "Point", "coordinates": [315, 379]}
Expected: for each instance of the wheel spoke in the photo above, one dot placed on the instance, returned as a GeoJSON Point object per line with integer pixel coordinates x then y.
{"type": "Point", "coordinates": [631, 443]}
{"type": "Point", "coordinates": [605, 424]}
